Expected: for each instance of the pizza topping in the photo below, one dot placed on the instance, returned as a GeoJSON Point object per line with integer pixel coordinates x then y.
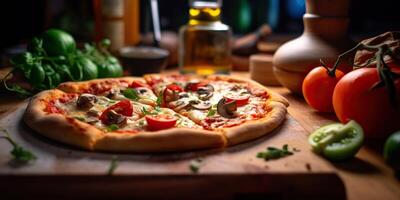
{"type": "Point", "coordinates": [86, 101]}
{"type": "Point", "coordinates": [179, 105]}
{"type": "Point", "coordinates": [115, 118]}
{"type": "Point", "coordinates": [118, 111]}
{"type": "Point", "coordinates": [205, 92]}
{"type": "Point", "coordinates": [136, 84]}
{"type": "Point", "coordinates": [131, 94]}
{"type": "Point", "coordinates": [193, 85]}
{"type": "Point", "coordinates": [159, 122]}
{"type": "Point", "coordinates": [201, 105]}
{"type": "Point", "coordinates": [171, 92]}
{"type": "Point", "coordinates": [183, 95]}
{"type": "Point", "coordinates": [241, 99]}
{"type": "Point", "coordinates": [226, 108]}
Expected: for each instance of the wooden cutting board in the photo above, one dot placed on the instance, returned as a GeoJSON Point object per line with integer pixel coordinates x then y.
{"type": "Point", "coordinates": [299, 174]}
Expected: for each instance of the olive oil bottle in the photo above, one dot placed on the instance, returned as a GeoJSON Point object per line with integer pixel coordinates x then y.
{"type": "Point", "coordinates": [205, 42]}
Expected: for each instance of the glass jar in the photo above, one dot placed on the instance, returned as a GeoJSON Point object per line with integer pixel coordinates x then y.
{"type": "Point", "coordinates": [205, 42]}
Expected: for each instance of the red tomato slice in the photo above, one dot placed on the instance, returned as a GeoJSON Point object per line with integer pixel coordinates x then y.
{"type": "Point", "coordinates": [123, 107]}
{"type": "Point", "coordinates": [136, 84]}
{"type": "Point", "coordinates": [159, 122]}
{"type": "Point", "coordinates": [193, 86]}
{"type": "Point", "coordinates": [241, 100]}
{"type": "Point", "coordinates": [174, 87]}
{"type": "Point", "coordinates": [171, 87]}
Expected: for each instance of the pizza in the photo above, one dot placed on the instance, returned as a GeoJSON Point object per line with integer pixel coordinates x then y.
{"type": "Point", "coordinates": [156, 113]}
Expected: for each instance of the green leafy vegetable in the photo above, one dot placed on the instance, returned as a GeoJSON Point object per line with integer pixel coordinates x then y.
{"type": "Point", "coordinates": [131, 94]}
{"type": "Point", "coordinates": [195, 165]}
{"type": "Point", "coordinates": [273, 153]}
{"type": "Point", "coordinates": [112, 127]}
{"type": "Point", "coordinates": [80, 118]}
{"type": "Point", "coordinates": [19, 153]}
{"type": "Point", "coordinates": [212, 111]}
{"type": "Point", "coordinates": [156, 111]}
{"type": "Point", "coordinates": [53, 58]}
{"type": "Point", "coordinates": [160, 99]}
{"type": "Point", "coordinates": [113, 165]}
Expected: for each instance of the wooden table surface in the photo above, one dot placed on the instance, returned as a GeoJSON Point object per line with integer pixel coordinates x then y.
{"type": "Point", "coordinates": [365, 177]}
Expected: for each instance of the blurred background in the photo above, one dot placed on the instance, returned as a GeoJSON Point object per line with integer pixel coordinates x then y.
{"type": "Point", "coordinates": [21, 20]}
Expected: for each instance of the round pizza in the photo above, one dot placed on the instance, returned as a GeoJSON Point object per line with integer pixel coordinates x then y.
{"type": "Point", "coordinates": [156, 113]}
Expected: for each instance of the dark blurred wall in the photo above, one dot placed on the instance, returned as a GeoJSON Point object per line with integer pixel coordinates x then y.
{"type": "Point", "coordinates": [20, 20]}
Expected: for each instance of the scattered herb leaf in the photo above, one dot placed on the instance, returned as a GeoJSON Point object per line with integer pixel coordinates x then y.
{"type": "Point", "coordinates": [212, 111]}
{"type": "Point", "coordinates": [19, 153]}
{"type": "Point", "coordinates": [131, 94]}
{"type": "Point", "coordinates": [159, 99]}
{"type": "Point", "coordinates": [80, 118]}
{"type": "Point", "coordinates": [113, 165]}
{"type": "Point", "coordinates": [112, 127]}
{"type": "Point", "coordinates": [195, 165]}
{"type": "Point", "coordinates": [273, 153]}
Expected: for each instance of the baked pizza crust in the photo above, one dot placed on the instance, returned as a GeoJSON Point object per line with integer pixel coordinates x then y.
{"type": "Point", "coordinates": [74, 132]}
{"type": "Point", "coordinates": [57, 126]}
{"type": "Point", "coordinates": [169, 140]}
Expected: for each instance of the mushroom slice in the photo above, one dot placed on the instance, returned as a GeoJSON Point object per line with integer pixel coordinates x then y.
{"type": "Point", "coordinates": [225, 109]}
{"type": "Point", "coordinates": [202, 105]}
{"type": "Point", "coordinates": [115, 118]}
{"type": "Point", "coordinates": [181, 105]}
{"type": "Point", "coordinates": [86, 101]}
{"type": "Point", "coordinates": [205, 92]}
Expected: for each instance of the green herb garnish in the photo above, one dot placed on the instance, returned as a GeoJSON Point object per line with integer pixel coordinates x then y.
{"type": "Point", "coordinates": [112, 127]}
{"type": "Point", "coordinates": [131, 94]}
{"type": "Point", "coordinates": [80, 118]}
{"type": "Point", "coordinates": [212, 111]}
{"type": "Point", "coordinates": [19, 153]}
{"type": "Point", "coordinates": [154, 112]}
{"type": "Point", "coordinates": [195, 165]}
{"type": "Point", "coordinates": [113, 165]}
{"type": "Point", "coordinates": [273, 153]}
{"type": "Point", "coordinates": [160, 99]}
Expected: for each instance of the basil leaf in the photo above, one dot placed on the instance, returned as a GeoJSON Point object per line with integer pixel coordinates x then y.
{"type": "Point", "coordinates": [112, 127]}
{"type": "Point", "coordinates": [272, 153]}
{"type": "Point", "coordinates": [131, 94]}
{"type": "Point", "coordinates": [19, 153]}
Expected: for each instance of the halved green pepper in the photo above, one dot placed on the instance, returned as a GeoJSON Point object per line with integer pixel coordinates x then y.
{"type": "Point", "coordinates": [337, 141]}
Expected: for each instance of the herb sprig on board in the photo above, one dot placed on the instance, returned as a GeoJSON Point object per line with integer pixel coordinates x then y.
{"type": "Point", "coordinates": [272, 153]}
{"type": "Point", "coordinates": [19, 153]}
{"type": "Point", "coordinates": [113, 165]}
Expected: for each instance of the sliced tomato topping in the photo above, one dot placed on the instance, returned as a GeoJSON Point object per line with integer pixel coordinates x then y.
{"type": "Point", "coordinates": [174, 87]}
{"type": "Point", "coordinates": [51, 108]}
{"type": "Point", "coordinates": [67, 97]}
{"type": "Point", "coordinates": [169, 92]}
{"type": "Point", "coordinates": [136, 84]}
{"type": "Point", "coordinates": [123, 107]}
{"type": "Point", "coordinates": [194, 86]}
{"type": "Point", "coordinates": [159, 122]}
{"type": "Point", "coordinates": [241, 100]}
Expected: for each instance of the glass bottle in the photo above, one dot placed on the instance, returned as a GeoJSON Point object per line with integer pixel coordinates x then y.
{"type": "Point", "coordinates": [204, 43]}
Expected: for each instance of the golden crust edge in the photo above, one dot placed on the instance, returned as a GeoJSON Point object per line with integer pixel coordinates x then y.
{"type": "Point", "coordinates": [78, 134]}
{"type": "Point", "coordinates": [251, 130]}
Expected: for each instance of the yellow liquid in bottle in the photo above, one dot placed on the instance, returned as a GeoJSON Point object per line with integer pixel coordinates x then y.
{"type": "Point", "coordinates": [205, 46]}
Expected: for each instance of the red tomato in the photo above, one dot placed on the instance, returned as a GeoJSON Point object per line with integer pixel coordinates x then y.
{"type": "Point", "coordinates": [241, 100]}
{"type": "Point", "coordinates": [318, 88]}
{"type": "Point", "coordinates": [194, 86]}
{"type": "Point", "coordinates": [123, 107]}
{"type": "Point", "coordinates": [170, 92]}
{"type": "Point", "coordinates": [136, 84]}
{"type": "Point", "coordinates": [353, 98]}
{"type": "Point", "coordinates": [159, 122]}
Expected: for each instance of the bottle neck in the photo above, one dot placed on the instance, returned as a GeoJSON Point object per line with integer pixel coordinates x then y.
{"type": "Point", "coordinates": [199, 15]}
